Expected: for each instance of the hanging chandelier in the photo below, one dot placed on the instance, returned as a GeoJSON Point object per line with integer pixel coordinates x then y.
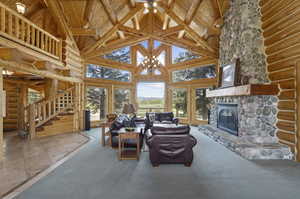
{"type": "Point", "coordinates": [150, 5]}
{"type": "Point", "coordinates": [150, 64]}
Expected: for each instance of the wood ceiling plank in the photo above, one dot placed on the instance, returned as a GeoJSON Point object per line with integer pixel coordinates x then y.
{"type": "Point", "coordinates": [112, 31]}
{"type": "Point", "coordinates": [58, 15]}
{"type": "Point", "coordinates": [83, 32]}
{"type": "Point", "coordinates": [188, 29]}
{"type": "Point", "coordinates": [129, 41]}
{"type": "Point", "coordinates": [90, 5]}
{"type": "Point", "coordinates": [192, 11]}
{"type": "Point", "coordinates": [109, 11]}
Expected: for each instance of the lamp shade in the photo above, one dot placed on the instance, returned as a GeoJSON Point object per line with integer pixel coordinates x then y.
{"type": "Point", "coordinates": [128, 109]}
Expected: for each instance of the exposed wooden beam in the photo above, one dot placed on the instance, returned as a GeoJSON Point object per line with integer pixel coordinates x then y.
{"type": "Point", "coordinates": [216, 6]}
{"type": "Point", "coordinates": [167, 20]}
{"type": "Point", "coordinates": [58, 15]}
{"type": "Point", "coordinates": [112, 31]}
{"type": "Point", "coordinates": [190, 15]}
{"type": "Point", "coordinates": [133, 31]}
{"type": "Point", "coordinates": [136, 22]}
{"type": "Point", "coordinates": [170, 31]}
{"type": "Point", "coordinates": [131, 3]}
{"type": "Point", "coordinates": [186, 44]}
{"type": "Point", "coordinates": [83, 32]}
{"type": "Point", "coordinates": [192, 11]}
{"type": "Point", "coordinates": [181, 34]}
{"type": "Point", "coordinates": [111, 15]}
{"type": "Point", "coordinates": [109, 63]}
{"type": "Point", "coordinates": [129, 41]}
{"type": "Point", "coordinates": [26, 68]}
{"type": "Point", "coordinates": [188, 29]}
{"type": "Point", "coordinates": [109, 11]}
{"type": "Point", "coordinates": [88, 11]}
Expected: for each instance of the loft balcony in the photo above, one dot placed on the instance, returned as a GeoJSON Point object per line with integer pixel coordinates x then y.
{"type": "Point", "coordinates": [16, 31]}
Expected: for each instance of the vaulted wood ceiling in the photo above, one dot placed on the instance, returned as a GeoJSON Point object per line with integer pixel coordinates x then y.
{"type": "Point", "coordinates": [99, 26]}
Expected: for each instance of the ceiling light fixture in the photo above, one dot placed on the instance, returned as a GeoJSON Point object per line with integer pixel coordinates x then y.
{"type": "Point", "coordinates": [150, 5]}
{"type": "Point", "coordinates": [21, 7]}
{"type": "Point", "coordinates": [150, 63]}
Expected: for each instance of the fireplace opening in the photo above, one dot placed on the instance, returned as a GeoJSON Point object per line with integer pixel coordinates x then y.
{"type": "Point", "coordinates": [228, 118]}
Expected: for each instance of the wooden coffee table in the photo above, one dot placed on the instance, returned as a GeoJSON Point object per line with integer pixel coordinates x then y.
{"type": "Point", "coordinates": [126, 154]}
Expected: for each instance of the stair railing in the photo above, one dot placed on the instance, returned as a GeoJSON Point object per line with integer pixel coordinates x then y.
{"type": "Point", "coordinates": [42, 111]}
{"type": "Point", "coordinates": [16, 27]}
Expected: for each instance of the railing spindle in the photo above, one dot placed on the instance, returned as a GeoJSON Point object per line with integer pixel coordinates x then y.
{"type": "Point", "coordinates": [9, 23]}
{"type": "Point", "coordinates": [3, 19]}
{"type": "Point", "coordinates": [17, 25]}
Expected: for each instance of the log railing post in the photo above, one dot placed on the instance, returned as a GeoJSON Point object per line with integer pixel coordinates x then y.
{"type": "Point", "coordinates": [31, 112]}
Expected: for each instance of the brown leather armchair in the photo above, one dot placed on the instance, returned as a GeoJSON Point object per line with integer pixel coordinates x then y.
{"type": "Point", "coordinates": [170, 145]}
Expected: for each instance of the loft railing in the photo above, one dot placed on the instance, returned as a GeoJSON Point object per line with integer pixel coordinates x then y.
{"type": "Point", "coordinates": [42, 111]}
{"type": "Point", "coordinates": [17, 28]}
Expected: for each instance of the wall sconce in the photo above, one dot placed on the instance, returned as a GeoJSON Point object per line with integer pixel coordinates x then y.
{"type": "Point", "coordinates": [21, 8]}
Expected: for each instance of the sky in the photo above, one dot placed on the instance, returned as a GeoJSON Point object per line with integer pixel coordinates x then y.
{"type": "Point", "coordinates": [151, 89]}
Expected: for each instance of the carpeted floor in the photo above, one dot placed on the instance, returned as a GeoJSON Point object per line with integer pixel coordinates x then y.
{"type": "Point", "coordinates": [217, 173]}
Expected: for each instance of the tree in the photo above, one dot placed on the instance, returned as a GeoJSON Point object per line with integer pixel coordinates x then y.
{"type": "Point", "coordinates": [180, 102]}
{"type": "Point", "coordinates": [201, 103]}
{"type": "Point", "coordinates": [96, 100]}
{"type": "Point", "coordinates": [121, 96]}
{"type": "Point", "coordinates": [120, 55]}
{"type": "Point", "coordinates": [95, 71]}
{"type": "Point", "coordinates": [194, 73]}
{"type": "Point", "coordinates": [185, 56]}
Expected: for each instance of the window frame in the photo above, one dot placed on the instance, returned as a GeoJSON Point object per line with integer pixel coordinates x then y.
{"type": "Point", "coordinates": [107, 67]}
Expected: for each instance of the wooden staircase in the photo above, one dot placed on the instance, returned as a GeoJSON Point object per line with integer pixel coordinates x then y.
{"type": "Point", "coordinates": [50, 117]}
{"type": "Point", "coordinates": [62, 123]}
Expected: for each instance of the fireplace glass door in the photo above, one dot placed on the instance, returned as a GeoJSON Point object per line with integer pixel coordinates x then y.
{"type": "Point", "coordinates": [228, 118]}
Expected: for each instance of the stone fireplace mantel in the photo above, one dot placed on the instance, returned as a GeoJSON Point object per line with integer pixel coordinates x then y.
{"type": "Point", "coordinates": [245, 90]}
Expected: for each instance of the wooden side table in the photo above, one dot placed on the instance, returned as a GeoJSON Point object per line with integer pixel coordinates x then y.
{"type": "Point", "coordinates": [129, 154]}
{"type": "Point", "coordinates": [104, 125]}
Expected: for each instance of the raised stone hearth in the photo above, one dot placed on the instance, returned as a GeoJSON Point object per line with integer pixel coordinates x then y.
{"type": "Point", "coordinates": [256, 137]}
{"type": "Point", "coordinates": [245, 148]}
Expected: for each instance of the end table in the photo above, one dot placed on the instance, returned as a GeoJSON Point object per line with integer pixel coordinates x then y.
{"type": "Point", "coordinates": [125, 154]}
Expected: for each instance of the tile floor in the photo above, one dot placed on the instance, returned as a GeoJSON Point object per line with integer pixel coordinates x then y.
{"type": "Point", "coordinates": [23, 159]}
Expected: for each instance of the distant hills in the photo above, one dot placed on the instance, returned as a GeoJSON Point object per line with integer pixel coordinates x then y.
{"type": "Point", "coordinates": [150, 98]}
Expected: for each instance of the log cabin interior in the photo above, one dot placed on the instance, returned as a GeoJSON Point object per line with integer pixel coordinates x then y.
{"type": "Point", "coordinates": [99, 81]}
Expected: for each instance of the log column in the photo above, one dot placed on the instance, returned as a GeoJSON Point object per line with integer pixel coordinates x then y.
{"type": "Point", "coordinates": [297, 135]}
{"type": "Point", "coordinates": [1, 114]}
{"type": "Point", "coordinates": [51, 88]}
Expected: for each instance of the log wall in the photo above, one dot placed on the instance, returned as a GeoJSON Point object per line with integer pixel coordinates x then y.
{"type": "Point", "coordinates": [10, 122]}
{"type": "Point", "coordinates": [281, 31]}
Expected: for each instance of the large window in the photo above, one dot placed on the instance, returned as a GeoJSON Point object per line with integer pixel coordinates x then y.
{"type": "Point", "coordinates": [121, 97]}
{"type": "Point", "coordinates": [179, 102]}
{"type": "Point", "coordinates": [33, 96]}
{"type": "Point", "coordinates": [120, 55]}
{"type": "Point", "coordinates": [194, 73]}
{"type": "Point", "coordinates": [181, 55]}
{"type": "Point", "coordinates": [96, 102]}
{"type": "Point", "coordinates": [95, 71]}
{"type": "Point", "coordinates": [150, 97]}
{"type": "Point", "coordinates": [201, 104]}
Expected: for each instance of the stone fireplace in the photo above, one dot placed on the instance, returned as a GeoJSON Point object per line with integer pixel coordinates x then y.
{"type": "Point", "coordinates": [227, 118]}
{"type": "Point", "coordinates": [245, 124]}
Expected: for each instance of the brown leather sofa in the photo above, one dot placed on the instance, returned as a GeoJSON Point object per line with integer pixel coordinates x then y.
{"type": "Point", "coordinates": [170, 145]}
{"type": "Point", "coordinates": [164, 117]}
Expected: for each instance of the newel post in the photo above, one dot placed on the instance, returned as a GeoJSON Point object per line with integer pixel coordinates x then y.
{"type": "Point", "coordinates": [31, 117]}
